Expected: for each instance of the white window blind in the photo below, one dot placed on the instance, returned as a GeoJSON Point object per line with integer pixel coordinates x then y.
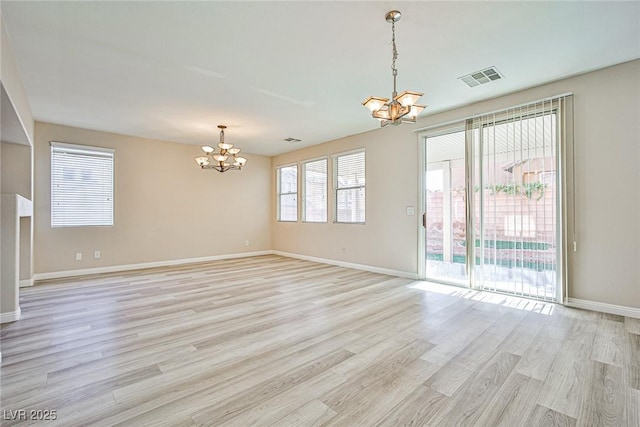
{"type": "Point", "coordinates": [81, 185]}
{"type": "Point", "coordinates": [349, 186]}
{"type": "Point", "coordinates": [517, 204]}
{"type": "Point", "coordinates": [315, 191]}
{"type": "Point", "coordinates": [288, 193]}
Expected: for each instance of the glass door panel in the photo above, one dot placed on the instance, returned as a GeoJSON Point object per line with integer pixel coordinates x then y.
{"type": "Point", "coordinates": [445, 207]}
{"type": "Point", "coordinates": [516, 239]}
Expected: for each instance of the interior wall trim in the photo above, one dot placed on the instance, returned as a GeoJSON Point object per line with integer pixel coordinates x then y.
{"type": "Point", "coordinates": [127, 267]}
{"type": "Point", "coordinates": [25, 283]}
{"type": "Point", "coordinates": [570, 302]}
{"type": "Point", "coordinates": [620, 310]}
{"type": "Point", "coordinates": [10, 316]}
{"type": "Point", "coordinates": [364, 267]}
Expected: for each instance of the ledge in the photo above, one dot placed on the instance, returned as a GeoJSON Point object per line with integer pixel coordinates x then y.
{"type": "Point", "coordinates": [24, 206]}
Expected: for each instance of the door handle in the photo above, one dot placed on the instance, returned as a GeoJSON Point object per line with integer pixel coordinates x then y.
{"type": "Point", "coordinates": [424, 220]}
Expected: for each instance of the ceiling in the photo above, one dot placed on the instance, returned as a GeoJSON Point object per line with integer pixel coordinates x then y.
{"type": "Point", "coordinates": [272, 70]}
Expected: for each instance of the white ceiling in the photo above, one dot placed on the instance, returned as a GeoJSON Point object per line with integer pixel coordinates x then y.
{"type": "Point", "coordinates": [271, 70]}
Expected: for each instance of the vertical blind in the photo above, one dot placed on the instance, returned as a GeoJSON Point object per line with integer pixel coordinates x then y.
{"type": "Point", "coordinates": [516, 209]}
{"type": "Point", "coordinates": [288, 193]}
{"type": "Point", "coordinates": [81, 185]}
{"type": "Point", "coordinates": [315, 191]}
{"type": "Point", "coordinates": [350, 187]}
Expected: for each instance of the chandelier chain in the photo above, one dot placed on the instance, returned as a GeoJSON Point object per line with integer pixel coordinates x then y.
{"type": "Point", "coordinates": [395, 54]}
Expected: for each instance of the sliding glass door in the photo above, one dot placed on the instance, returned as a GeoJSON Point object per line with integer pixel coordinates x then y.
{"type": "Point", "coordinates": [492, 202]}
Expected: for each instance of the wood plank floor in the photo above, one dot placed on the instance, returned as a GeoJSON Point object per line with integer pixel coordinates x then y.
{"type": "Point", "coordinates": [275, 341]}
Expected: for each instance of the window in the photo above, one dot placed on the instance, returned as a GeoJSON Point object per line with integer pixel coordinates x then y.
{"type": "Point", "coordinates": [288, 193]}
{"type": "Point", "coordinates": [315, 191]}
{"type": "Point", "coordinates": [81, 185]}
{"type": "Point", "coordinates": [349, 187]}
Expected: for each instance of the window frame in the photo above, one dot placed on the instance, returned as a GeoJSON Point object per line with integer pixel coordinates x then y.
{"type": "Point", "coordinates": [335, 158]}
{"type": "Point", "coordinates": [279, 193]}
{"type": "Point", "coordinates": [87, 151]}
{"type": "Point", "coordinates": [303, 180]}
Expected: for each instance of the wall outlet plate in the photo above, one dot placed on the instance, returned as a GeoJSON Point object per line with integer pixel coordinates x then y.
{"type": "Point", "coordinates": [78, 256]}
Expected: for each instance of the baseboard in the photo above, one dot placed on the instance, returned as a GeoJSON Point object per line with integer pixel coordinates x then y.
{"type": "Point", "coordinates": [11, 316]}
{"type": "Point", "coordinates": [25, 283]}
{"type": "Point", "coordinates": [364, 267]}
{"type": "Point", "coordinates": [127, 267]}
{"type": "Point", "coordinates": [620, 310]}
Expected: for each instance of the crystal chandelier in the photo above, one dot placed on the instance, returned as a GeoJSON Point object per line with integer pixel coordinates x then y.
{"type": "Point", "coordinates": [219, 160]}
{"type": "Point", "coordinates": [402, 108]}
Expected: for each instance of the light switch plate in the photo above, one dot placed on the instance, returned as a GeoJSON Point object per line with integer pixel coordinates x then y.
{"type": "Point", "coordinates": [411, 210]}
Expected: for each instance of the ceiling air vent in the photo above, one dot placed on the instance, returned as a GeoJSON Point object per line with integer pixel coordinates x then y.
{"type": "Point", "coordinates": [294, 140]}
{"type": "Point", "coordinates": [481, 77]}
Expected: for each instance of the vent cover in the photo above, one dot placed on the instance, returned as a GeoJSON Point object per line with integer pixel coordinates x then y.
{"type": "Point", "coordinates": [294, 140]}
{"type": "Point", "coordinates": [481, 77]}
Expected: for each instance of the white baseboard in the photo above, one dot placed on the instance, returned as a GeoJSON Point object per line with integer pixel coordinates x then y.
{"type": "Point", "coordinates": [127, 267]}
{"type": "Point", "coordinates": [10, 316]}
{"type": "Point", "coordinates": [25, 283]}
{"type": "Point", "coordinates": [620, 310]}
{"type": "Point", "coordinates": [15, 315]}
{"type": "Point", "coordinates": [364, 267]}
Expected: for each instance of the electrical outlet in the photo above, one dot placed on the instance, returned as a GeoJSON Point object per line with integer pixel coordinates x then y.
{"type": "Point", "coordinates": [246, 243]}
{"type": "Point", "coordinates": [78, 256]}
{"type": "Point", "coordinates": [96, 254]}
{"type": "Point", "coordinates": [411, 210]}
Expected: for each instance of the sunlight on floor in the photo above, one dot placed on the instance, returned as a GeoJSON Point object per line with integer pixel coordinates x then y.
{"type": "Point", "coordinates": [486, 297]}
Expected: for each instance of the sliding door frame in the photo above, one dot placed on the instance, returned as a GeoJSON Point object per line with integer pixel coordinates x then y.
{"type": "Point", "coordinates": [565, 187]}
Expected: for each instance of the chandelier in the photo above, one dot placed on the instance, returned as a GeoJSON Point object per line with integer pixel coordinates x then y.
{"type": "Point", "coordinates": [219, 160]}
{"type": "Point", "coordinates": [402, 108]}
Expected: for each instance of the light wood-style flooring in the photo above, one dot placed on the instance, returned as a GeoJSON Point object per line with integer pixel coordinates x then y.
{"type": "Point", "coordinates": [275, 341]}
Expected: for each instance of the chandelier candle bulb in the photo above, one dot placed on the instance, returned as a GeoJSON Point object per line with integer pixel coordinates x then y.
{"type": "Point", "coordinates": [407, 98]}
{"type": "Point", "coordinates": [218, 159]}
{"type": "Point", "coordinates": [402, 108]}
{"type": "Point", "coordinates": [202, 161]}
{"type": "Point", "coordinates": [374, 104]}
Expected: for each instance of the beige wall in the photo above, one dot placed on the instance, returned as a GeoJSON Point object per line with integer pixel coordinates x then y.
{"type": "Point", "coordinates": [166, 208]}
{"type": "Point", "coordinates": [12, 83]}
{"type": "Point", "coordinates": [606, 266]}
{"type": "Point", "coordinates": [2, 291]}
{"type": "Point", "coordinates": [16, 173]}
{"type": "Point", "coordinates": [388, 191]}
{"type": "Point", "coordinates": [16, 169]}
